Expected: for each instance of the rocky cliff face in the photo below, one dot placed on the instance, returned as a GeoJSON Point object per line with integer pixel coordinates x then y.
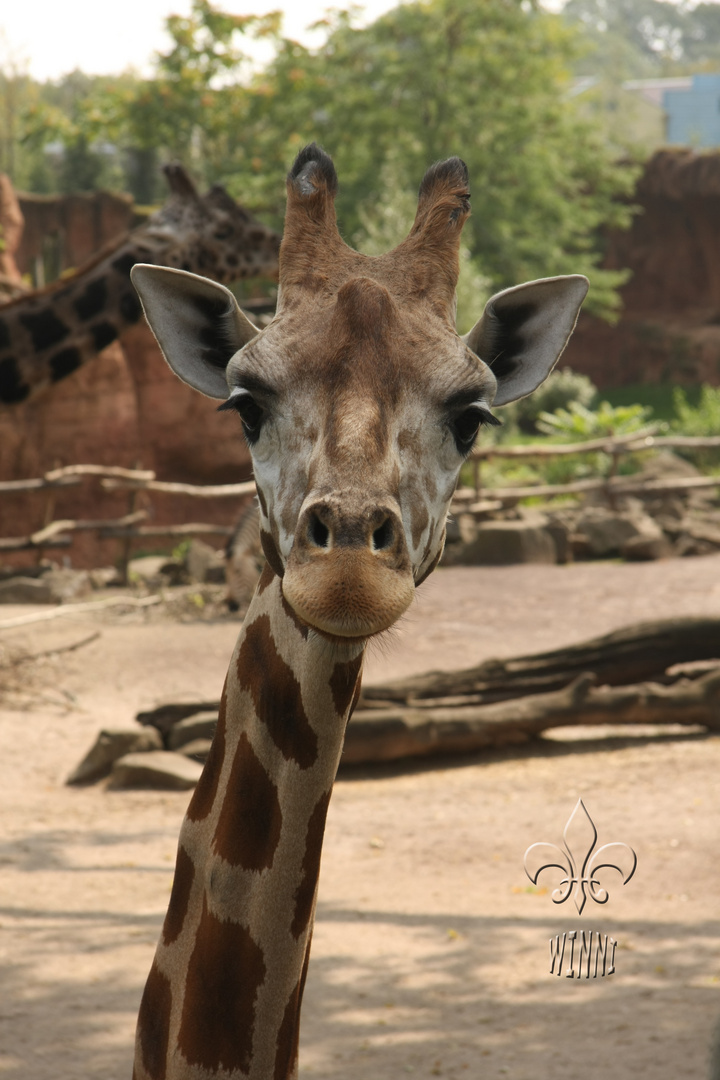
{"type": "Point", "coordinates": [75, 226]}
{"type": "Point", "coordinates": [125, 408]}
{"type": "Point", "coordinates": [669, 330]}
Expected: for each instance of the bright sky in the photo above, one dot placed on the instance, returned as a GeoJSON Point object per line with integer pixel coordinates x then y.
{"type": "Point", "coordinates": [48, 38]}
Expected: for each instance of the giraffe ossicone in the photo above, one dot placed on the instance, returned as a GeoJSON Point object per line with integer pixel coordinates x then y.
{"type": "Point", "coordinates": [359, 403]}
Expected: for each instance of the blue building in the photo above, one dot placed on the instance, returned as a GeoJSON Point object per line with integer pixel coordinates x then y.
{"type": "Point", "coordinates": [693, 113]}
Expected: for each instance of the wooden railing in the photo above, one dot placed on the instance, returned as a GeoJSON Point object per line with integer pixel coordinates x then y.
{"type": "Point", "coordinates": [611, 483]}
{"type": "Point", "coordinates": [129, 527]}
{"type": "Point", "coordinates": [475, 499]}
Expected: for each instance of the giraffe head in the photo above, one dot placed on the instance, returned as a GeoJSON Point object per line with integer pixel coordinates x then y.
{"type": "Point", "coordinates": [211, 233]}
{"type": "Point", "coordinates": [360, 402]}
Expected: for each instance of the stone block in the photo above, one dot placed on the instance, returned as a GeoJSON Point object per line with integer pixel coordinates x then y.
{"type": "Point", "coordinates": [67, 585]}
{"type": "Point", "coordinates": [504, 543]}
{"type": "Point", "coordinates": [200, 726]}
{"type": "Point", "coordinates": [197, 749]}
{"type": "Point", "coordinates": [159, 769]}
{"type": "Point", "coordinates": [167, 714]}
{"type": "Point", "coordinates": [26, 590]}
{"type": "Point", "coordinates": [606, 532]}
{"type": "Point", "coordinates": [204, 564]}
{"type": "Point", "coordinates": [644, 548]}
{"type": "Point", "coordinates": [111, 745]}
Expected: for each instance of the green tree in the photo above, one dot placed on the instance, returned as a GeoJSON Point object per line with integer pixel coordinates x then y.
{"type": "Point", "coordinates": [646, 37]}
{"type": "Point", "coordinates": [486, 79]}
{"type": "Point", "coordinates": [195, 105]}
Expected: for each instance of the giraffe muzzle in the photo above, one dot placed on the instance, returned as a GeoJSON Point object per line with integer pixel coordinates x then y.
{"type": "Point", "coordinates": [349, 574]}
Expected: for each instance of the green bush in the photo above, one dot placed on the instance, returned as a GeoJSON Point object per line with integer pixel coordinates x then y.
{"type": "Point", "coordinates": [558, 391]}
{"type": "Point", "coordinates": [578, 422]}
{"type": "Point", "coordinates": [699, 421]}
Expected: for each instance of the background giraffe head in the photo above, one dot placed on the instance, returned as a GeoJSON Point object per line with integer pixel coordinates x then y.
{"type": "Point", "coordinates": [211, 233]}
{"type": "Point", "coordinates": [360, 402]}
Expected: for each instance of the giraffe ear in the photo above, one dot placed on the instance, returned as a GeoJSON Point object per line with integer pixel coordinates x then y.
{"type": "Point", "coordinates": [524, 330]}
{"type": "Point", "coordinates": [197, 324]}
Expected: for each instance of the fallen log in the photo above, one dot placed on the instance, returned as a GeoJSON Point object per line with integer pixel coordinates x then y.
{"type": "Point", "coordinates": [391, 734]}
{"type": "Point", "coordinates": [633, 654]}
{"type": "Point", "coordinates": [26, 543]}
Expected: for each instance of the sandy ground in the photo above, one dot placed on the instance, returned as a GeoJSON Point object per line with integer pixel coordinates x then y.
{"type": "Point", "coordinates": [431, 951]}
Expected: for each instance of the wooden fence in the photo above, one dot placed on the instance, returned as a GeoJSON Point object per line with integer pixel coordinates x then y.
{"type": "Point", "coordinates": [475, 499]}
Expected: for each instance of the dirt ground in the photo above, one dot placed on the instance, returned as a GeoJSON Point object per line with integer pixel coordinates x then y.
{"type": "Point", "coordinates": [431, 951]}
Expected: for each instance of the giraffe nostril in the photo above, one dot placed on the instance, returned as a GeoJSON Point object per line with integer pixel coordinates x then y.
{"type": "Point", "coordinates": [383, 536]}
{"type": "Point", "coordinates": [318, 534]}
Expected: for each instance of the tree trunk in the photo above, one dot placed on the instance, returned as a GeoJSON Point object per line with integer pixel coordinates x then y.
{"type": "Point", "coordinates": [633, 654]}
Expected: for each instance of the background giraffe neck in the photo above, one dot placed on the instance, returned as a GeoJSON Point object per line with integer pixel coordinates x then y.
{"type": "Point", "coordinates": [47, 335]}
{"type": "Point", "coordinates": [225, 989]}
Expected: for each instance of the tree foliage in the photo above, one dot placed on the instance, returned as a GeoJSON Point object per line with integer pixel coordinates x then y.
{"type": "Point", "coordinates": [486, 79]}
{"type": "Point", "coordinates": [647, 37]}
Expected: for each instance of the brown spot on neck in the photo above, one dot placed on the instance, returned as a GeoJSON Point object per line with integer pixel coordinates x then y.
{"type": "Point", "coordinates": [294, 618]}
{"type": "Point", "coordinates": [344, 683]}
{"type": "Point", "coordinates": [305, 892]}
{"type": "Point", "coordinates": [266, 578]}
{"type": "Point", "coordinates": [179, 898]}
{"type": "Point", "coordinates": [276, 694]}
{"type": "Point", "coordinates": [225, 971]}
{"type": "Point", "coordinates": [206, 791]}
{"type": "Point", "coordinates": [153, 1030]}
{"type": "Point", "coordinates": [271, 553]}
{"type": "Point", "coordinates": [248, 829]}
{"type": "Point", "coordinates": [289, 1033]}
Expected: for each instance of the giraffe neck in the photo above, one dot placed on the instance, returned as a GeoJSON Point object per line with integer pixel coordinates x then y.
{"type": "Point", "coordinates": [225, 990]}
{"type": "Point", "coordinates": [47, 335]}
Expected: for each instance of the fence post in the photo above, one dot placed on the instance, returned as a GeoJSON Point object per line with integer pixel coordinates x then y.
{"type": "Point", "coordinates": [50, 499]}
{"type": "Point", "coordinates": [615, 453]}
{"type": "Point", "coordinates": [477, 479]}
{"type": "Point", "coordinates": [126, 542]}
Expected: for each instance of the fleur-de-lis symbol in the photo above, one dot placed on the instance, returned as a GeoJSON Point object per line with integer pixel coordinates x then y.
{"type": "Point", "coordinates": [578, 863]}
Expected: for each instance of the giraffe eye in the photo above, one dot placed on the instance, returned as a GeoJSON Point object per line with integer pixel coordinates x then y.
{"type": "Point", "coordinates": [251, 414]}
{"type": "Point", "coordinates": [466, 424]}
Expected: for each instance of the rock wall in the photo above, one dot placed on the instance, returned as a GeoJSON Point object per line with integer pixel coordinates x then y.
{"type": "Point", "coordinates": [78, 225]}
{"type": "Point", "coordinates": [125, 408]}
{"type": "Point", "coordinates": [669, 330]}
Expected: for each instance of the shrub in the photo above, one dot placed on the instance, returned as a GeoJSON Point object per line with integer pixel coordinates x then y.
{"type": "Point", "coordinates": [558, 391]}
{"type": "Point", "coordinates": [703, 420]}
{"type": "Point", "coordinates": [578, 422]}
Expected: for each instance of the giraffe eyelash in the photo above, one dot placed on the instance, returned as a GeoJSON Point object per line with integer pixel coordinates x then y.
{"type": "Point", "coordinates": [466, 424]}
{"type": "Point", "coordinates": [251, 413]}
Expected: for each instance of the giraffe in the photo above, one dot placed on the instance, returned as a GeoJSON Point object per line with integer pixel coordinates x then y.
{"type": "Point", "coordinates": [244, 558]}
{"type": "Point", "coordinates": [46, 335]}
{"type": "Point", "coordinates": [359, 403]}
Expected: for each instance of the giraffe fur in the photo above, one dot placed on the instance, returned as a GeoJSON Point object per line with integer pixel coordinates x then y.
{"type": "Point", "coordinates": [359, 404]}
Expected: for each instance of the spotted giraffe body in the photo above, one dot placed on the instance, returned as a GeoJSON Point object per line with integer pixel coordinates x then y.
{"type": "Point", "coordinates": [359, 403]}
{"type": "Point", "coordinates": [46, 335]}
{"type": "Point", "coordinates": [243, 558]}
